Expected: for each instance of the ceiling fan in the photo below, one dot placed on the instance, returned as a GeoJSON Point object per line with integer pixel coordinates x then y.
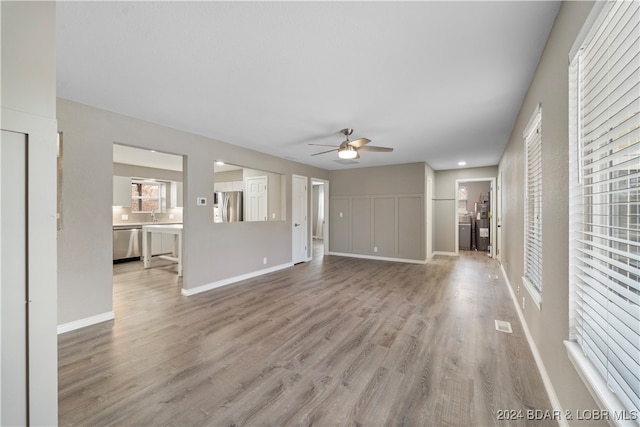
{"type": "Point", "coordinates": [349, 149]}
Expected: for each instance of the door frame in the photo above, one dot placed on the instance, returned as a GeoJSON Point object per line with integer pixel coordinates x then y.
{"type": "Point", "coordinates": [306, 257]}
{"type": "Point", "coordinates": [325, 226]}
{"type": "Point", "coordinates": [492, 239]}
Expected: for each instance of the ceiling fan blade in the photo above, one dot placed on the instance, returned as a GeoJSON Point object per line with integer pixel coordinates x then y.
{"type": "Point", "coordinates": [323, 145]}
{"type": "Point", "coordinates": [359, 142]}
{"type": "Point", "coordinates": [375, 149]}
{"type": "Point", "coordinates": [325, 152]}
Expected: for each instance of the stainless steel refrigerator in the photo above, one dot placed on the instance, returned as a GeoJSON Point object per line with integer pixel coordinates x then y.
{"type": "Point", "coordinates": [229, 205]}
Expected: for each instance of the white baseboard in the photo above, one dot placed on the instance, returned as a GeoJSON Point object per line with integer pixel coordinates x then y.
{"type": "Point", "coordinates": [230, 280]}
{"type": "Point", "coordinates": [548, 385]}
{"type": "Point", "coordinates": [379, 258]}
{"type": "Point", "coordinates": [87, 321]}
{"type": "Point", "coordinates": [444, 253]}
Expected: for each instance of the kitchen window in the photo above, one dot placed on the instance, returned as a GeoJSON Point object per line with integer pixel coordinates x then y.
{"type": "Point", "coordinates": [604, 225]}
{"type": "Point", "coordinates": [148, 196]}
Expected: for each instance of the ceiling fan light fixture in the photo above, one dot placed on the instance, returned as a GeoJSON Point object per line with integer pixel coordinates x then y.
{"type": "Point", "coordinates": [347, 152]}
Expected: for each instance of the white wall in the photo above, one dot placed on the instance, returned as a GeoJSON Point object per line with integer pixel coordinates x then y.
{"type": "Point", "coordinates": [28, 107]}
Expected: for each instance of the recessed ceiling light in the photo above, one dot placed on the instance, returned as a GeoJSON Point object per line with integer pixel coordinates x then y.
{"type": "Point", "coordinates": [462, 163]}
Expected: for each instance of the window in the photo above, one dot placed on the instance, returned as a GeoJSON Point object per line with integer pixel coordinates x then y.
{"type": "Point", "coordinates": [148, 196]}
{"type": "Point", "coordinates": [532, 136]}
{"type": "Point", "coordinates": [604, 199]}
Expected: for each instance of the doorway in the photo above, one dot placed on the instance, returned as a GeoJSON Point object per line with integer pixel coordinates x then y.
{"type": "Point", "coordinates": [147, 189]}
{"type": "Point", "coordinates": [475, 227]}
{"type": "Point", "coordinates": [320, 216]}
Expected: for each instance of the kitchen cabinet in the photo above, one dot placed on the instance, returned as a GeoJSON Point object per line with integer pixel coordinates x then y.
{"type": "Point", "coordinates": [175, 199]}
{"type": "Point", "coordinates": [122, 191]}
{"type": "Point", "coordinates": [228, 186]}
{"type": "Point", "coordinates": [162, 243]}
{"type": "Point", "coordinates": [174, 231]}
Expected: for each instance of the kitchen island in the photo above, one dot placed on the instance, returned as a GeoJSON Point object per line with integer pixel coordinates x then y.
{"type": "Point", "coordinates": [173, 229]}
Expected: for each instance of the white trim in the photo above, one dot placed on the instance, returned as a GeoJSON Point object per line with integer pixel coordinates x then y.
{"type": "Point", "coordinates": [546, 379]}
{"type": "Point", "coordinates": [534, 121]}
{"type": "Point", "coordinates": [230, 280]}
{"type": "Point", "coordinates": [379, 258]}
{"type": "Point", "coordinates": [597, 386]}
{"type": "Point", "coordinates": [533, 292]}
{"type": "Point", "coordinates": [444, 253]}
{"type": "Point", "coordinates": [87, 321]}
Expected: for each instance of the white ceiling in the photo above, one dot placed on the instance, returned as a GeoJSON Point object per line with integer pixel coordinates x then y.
{"type": "Point", "coordinates": [438, 81]}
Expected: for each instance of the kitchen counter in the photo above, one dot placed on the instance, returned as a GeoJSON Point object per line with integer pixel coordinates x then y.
{"type": "Point", "coordinates": [140, 224]}
{"type": "Point", "coordinates": [174, 229]}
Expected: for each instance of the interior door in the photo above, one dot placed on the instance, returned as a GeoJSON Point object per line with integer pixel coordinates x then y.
{"type": "Point", "coordinates": [498, 242]}
{"type": "Point", "coordinates": [429, 227]}
{"type": "Point", "coordinates": [299, 219]}
{"type": "Point", "coordinates": [13, 279]}
{"type": "Point", "coordinates": [256, 188]}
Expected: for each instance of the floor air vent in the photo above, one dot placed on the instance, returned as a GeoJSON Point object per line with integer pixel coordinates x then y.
{"type": "Point", "coordinates": [503, 326]}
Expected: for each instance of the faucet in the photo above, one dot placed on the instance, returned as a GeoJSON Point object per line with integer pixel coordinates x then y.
{"type": "Point", "coordinates": [153, 216]}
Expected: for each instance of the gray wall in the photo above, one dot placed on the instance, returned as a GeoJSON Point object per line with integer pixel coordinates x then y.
{"type": "Point", "coordinates": [212, 252]}
{"type": "Point", "coordinates": [29, 108]}
{"type": "Point", "coordinates": [379, 207]}
{"type": "Point", "coordinates": [444, 209]}
{"type": "Point", "coordinates": [549, 325]}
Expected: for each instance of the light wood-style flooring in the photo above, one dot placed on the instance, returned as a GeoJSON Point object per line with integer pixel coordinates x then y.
{"type": "Point", "coordinates": [336, 341]}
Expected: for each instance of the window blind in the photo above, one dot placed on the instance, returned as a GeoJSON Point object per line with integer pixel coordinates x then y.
{"type": "Point", "coordinates": [533, 206]}
{"type": "Point", "coordinates": [604, 199]}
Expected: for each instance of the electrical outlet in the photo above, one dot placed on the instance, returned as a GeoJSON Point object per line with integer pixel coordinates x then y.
{"type": "Point", "coordinates": [375, 249]}
{"type": "Point", "coordinates": [264, 260]}
{"type": "Point", "coordinates": [273, 215]}
{"type": "Point", "coordinates": [340, 214]}
{"type": "Point", "coordinates": [201, 201]}
{"type": "Point", "coordinates": [518, 291]}
{"type": "Point", "coordinates": [125, 217]}
{"type": "Point", "coordinates": [171, 216]}
{"type": "Point", "coordinates": [523, 303]}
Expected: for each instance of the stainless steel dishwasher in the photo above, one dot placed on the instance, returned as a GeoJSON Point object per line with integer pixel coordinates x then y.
{"type": "Point", "coordinates": [127, 242]}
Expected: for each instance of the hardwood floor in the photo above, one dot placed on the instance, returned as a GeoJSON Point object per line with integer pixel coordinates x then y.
{"type": "Point", "coordinates": [336, 341]}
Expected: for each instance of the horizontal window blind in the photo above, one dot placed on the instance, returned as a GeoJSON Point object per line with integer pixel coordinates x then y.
{"type": "Point", "coordinates": [605, 199]}
{"type": "Point", "coordinates": [533, 205]}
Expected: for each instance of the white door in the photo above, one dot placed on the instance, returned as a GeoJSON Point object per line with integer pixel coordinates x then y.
{"type": "Point", "coordinates": [13, 278]}
{"type": "Point", "coordinates": [429, 228]}
{"type": "Point", "coordinates": [299, 219]}
{"type": "Point", "coordinates": [498, 242]}
{"type": "Point", "coordinates": [256, 198]}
